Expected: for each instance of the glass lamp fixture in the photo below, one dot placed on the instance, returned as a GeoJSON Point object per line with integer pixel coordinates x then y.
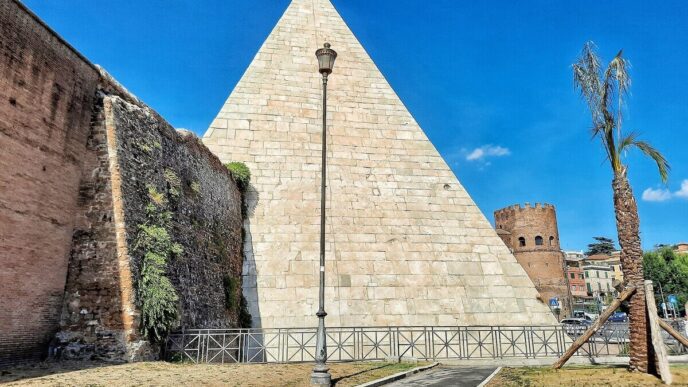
{"type": "Point", "coordinates": [326, 57]}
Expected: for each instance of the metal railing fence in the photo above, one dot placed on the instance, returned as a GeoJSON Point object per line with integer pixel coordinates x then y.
{"type": "Point", "coordinates": [285, 345]}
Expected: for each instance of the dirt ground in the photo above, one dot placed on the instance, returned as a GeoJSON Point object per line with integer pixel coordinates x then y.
{"type": "Point", "coordinates": [580, 376]}
{"type": "Point", "coordinates": [166, 374]}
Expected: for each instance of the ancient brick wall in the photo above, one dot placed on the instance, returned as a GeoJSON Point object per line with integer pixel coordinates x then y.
{"type": "Point", "coordinates": [131, 152]}
{"type": "Point", "coordinates": [97, 313]}
{"type": "Point", "coordinates": [532, 234]}
{"type": "Point", "coordinates": [76, 162]}
{"type": "Point", "coordinates": [46, 94]}
{"type": "Point", "coordinates": [204, 202]}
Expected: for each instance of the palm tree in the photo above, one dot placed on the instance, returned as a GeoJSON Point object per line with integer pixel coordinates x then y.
{"type": "Point", "coordinates": [604, 91]}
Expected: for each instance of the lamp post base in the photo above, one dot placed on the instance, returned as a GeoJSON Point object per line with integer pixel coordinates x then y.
{"type": "Point", "coordinates": [321, 377]}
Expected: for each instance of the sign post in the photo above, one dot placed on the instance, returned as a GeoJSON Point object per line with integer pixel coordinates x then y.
{"type": "Point", "coordinates": [555, 306]}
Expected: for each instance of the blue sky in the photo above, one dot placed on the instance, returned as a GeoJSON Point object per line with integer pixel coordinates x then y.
{"type": "Point", "coordinates": [489, 82]}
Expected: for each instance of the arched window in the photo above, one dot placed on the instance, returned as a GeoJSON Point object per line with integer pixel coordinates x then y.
{"type": "Point", "coordinates": [551, 241]}
{"type": "Point", "coordinates": [538, 240]}
{"type": "Point", "coordinates": [521, 241]}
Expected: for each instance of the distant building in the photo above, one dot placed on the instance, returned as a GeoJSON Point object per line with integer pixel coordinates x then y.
{"type": "Point", "coordinates": [599, 279]}
{"type": "Point", "coordinates": [574, 255]}
{"type": "Point", "coordinates": [592, 279]}
{"type": "Point", "coordinates": [613, 261]}
{"type": "Point", "coordinates": [575, 275]}
{"type": "Point", "coordinates": [681, 247]}
{"type": "Point", "coordinates": [532, 234]}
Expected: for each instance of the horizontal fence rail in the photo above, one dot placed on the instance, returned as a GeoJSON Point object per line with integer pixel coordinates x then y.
{"type": "Point", "coordinates": [286, 345]}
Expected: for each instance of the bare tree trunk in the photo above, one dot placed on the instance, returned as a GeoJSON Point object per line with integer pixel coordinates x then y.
{"type": "Point", "coordinates": [627, 225]}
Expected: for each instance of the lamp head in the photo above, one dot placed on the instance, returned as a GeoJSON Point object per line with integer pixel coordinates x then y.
{"type": "Point", "coordinates": [326, 57]}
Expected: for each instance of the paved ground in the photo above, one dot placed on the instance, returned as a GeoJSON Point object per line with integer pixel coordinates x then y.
{"type": "Point", "coordinates": [444, 376]}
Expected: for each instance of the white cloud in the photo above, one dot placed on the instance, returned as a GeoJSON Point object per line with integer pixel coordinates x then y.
{"type": "Point", "coordinates": [663, 194]}
{"type": "Point", "coordinates": [683, 192]}
{"type": "Point", "coordinates": [656, 195]}
{"type": "Point", "coordinates": [487, 151]}
{"type": "Point", "coordinates": [477, 153]}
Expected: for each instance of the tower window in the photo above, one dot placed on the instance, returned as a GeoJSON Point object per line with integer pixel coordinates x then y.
{"type": "Point", "coordinates": [538, 240]}
{"type": "Point", "coordinates": [551, 241]}
{"type": "Point", "coordinates": [521, 241]}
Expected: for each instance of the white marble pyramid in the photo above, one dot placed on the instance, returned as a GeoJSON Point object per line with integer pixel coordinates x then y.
{"type": "Point", "coordinates": [406, 243]}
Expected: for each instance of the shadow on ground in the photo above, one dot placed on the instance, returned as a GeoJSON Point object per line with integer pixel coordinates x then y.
{"type": "Point", "coordinates": [36, 370]}
{"type": "Point", "coordinates": [370, 370]}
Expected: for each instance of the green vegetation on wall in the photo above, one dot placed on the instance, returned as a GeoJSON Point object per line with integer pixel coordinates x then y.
{"type": "Point", "coordinates": [156, 297]}
{"type": "Point", "coordinates": [173, 182]}
{"type": "Point", "coordinates": [241, 174]}
{"type": "Point", "coordinates": [196, 187]}
{"type": "Point", "coordinates": [231, 285]}
{"type": "Point", "coordinates": [244, 315]}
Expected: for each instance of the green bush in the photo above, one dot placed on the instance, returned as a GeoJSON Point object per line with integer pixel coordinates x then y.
{"type": "Point", "coordinates": [173, 182]}
{"type": "Point", "coordinates": [241, 174]}
{"type": "Point", "coordinates": [244, 315]}
{"type": "Point", "coordinates": [231, 285]}
{"type": "Point", "coordinates": [196, 187]}
{"type": "Point", "coordinates": [156, 297]}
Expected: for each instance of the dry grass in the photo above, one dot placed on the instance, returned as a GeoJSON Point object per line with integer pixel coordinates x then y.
{"type": "Point", "coordinates": [580, 376]}
{"type": "Point", "coordinates": [161, 373]}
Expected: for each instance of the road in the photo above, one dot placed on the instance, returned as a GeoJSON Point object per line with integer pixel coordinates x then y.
{"type": "Point", "coordinates": [454, 376]}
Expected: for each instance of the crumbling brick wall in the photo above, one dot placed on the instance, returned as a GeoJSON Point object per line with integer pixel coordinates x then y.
{"type": "Point", "coordinates": [131, 151]}
{"type": "Point", "coordinates": [74, 173]}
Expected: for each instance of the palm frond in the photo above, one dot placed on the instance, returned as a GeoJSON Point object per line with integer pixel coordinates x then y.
{"type": "Point", "coordinates": [586, 78]}
{"type": "Point", "coordinates": [627, 142]}
{"type": "Point", "coordinates": [601, 90]}
{"type": "Point", "coordinates": [662, 163]}
{"type": "Point", "coordinates": [616, 85]}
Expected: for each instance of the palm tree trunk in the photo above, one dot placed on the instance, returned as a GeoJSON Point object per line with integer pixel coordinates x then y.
{"type": "Point", "coordinates": [627, 225]}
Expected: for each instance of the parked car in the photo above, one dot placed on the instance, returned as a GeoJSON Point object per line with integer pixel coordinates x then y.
{"type": "Point", "coordinates": [618, 317]}
{"type": "Point", "coordinates": [584, 315]}
{"type": "Point", "coordinates": [576, 321]}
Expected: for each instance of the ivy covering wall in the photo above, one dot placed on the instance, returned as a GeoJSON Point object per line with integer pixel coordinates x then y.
{"type": "Point", "coordinates": [183, 212]}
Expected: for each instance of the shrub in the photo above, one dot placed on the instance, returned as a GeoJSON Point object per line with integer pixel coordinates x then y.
{"type": "Point", "coordinates": [231, 285]}
{"type": "Point", "coordinates": [173, 182]}
{"type": "Point", "coordinates": [244, 315]}
{"type": "Point", "coordinates": [158, 198]}
{"type": "Point", "coordinates": [155, 295]}
{"type": "Point", "coordinates": [241, 174]}
{"type": "Point", "coordinates": [196, 187]}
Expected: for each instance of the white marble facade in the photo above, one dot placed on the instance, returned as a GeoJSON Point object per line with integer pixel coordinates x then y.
{"type": "Point", "coordinates": [406, 243]}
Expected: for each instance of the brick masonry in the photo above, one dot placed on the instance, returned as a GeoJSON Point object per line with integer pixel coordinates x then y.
{"type": "Point", "coordinates": [544, 263]}
{"type": "Point", "coordinates": [131, 149]}
{"type": "Point", "coordinates": [46, 95]}
{"type": "Point", "coordinates": [77, 152]}
{"type": "Point", "coordinates": [406, 243]}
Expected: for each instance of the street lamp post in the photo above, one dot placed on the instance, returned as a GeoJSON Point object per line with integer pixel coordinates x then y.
{"type": "Point", "coordinates": [321, 375]}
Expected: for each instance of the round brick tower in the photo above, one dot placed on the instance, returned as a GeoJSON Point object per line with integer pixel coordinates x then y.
{"type": "Point", "coordinates": [532, 234]}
